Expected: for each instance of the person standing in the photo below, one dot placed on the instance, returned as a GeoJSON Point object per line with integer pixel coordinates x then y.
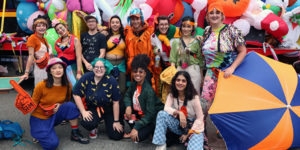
{"type": "Point", "coordinates": [39, 51]}
{"type": "Point", "coordinates": [115, 53]}
{"type": "Point", "coordinates": [93, 43]}
{"type": "Point", "coordinates": [69, 49]}
{"type": "Point", "coordinates": [186, 53]}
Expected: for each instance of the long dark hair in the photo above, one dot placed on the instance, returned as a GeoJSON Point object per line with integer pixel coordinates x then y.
{"type": "Point", "coordinates": [50, 80]}
{"type": "Point", "coordinates": [189, 91]}
{"type": "Point", "coordinates": [121, 30]}
{"type": "Point", "coordinates": [187, 18]}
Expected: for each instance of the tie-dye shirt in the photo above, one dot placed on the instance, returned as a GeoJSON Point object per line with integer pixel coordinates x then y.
{"type": "Point", "coordinates": [230, 39]}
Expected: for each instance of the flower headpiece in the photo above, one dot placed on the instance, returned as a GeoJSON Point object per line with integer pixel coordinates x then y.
{"type": "Point", "coordinates": [56, 21]}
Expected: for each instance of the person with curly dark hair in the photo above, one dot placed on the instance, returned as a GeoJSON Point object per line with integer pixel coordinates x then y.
{"type": "Point", "coordinates": [115, 52]}
{"type": "Point", "coordinates": [182, 115]}
{"type": "Point", "coordinates": [141, 102]}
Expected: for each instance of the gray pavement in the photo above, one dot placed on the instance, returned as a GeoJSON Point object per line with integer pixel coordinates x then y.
{"type": "Point", "coordinates": [8, 111]}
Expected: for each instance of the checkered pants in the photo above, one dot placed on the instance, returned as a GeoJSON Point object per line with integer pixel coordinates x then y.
{"type": "Point", "coordinates": [165, 121]}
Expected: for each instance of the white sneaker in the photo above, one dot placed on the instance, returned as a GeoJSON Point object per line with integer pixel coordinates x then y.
{"type": "Point", "coordinates": [161, 147]}
{"type": "Point", "coordinates": [93, 134]}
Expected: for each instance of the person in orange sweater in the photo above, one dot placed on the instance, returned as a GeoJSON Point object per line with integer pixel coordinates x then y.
{"type": "Point", "coordinates": [53, 106]}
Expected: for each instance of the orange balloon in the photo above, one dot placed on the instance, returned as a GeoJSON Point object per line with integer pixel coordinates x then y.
{"type": "Point", "coordinates": [233, 8]}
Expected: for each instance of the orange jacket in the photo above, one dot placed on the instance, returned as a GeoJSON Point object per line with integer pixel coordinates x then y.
{"type": "Point", "coordinates": [139, 45]}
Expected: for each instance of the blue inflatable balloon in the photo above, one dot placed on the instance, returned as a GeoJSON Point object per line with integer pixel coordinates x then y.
{"type": "Point", "coordinates": [188, 11]}
{"type": "Point", "coordinates": [24, 10]}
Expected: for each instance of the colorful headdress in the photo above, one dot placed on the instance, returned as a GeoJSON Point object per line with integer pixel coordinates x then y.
{"type": "Point", "coordinates": [40, 19]}
{"type": "Point", "coordinates": [215, 5]}
{"type": "Point", "coordinates": [56, 21]}
{"type": "Point", "coordinates": [137, 13]}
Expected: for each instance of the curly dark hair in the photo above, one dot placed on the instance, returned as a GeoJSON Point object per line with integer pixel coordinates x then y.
{"type": "Point", "coordinates": [121, 30]}
{"type": "Point", "coordinates": [140, 61]}
{"type": "Point", "coordinates": [189, 92]}
{"type": "Point", "coordinates": [186, 18]}
{"type": "Point", "coordinates": [50, 80]}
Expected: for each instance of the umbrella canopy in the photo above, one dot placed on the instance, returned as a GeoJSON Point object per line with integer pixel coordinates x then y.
{"type": "Point", "coordinates": [258, 107]}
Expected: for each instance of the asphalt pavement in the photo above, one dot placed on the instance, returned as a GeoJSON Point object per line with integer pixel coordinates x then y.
{"type": "Point", "coordinates": [9, 112]}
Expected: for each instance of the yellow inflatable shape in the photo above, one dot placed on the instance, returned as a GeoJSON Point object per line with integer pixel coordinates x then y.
{"type": "Point", "coordinates": [78, 24]}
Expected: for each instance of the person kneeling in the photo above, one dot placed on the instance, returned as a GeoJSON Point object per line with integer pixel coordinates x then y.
{"type": "Point", "coordinates": [182, 115]}
{"type": "Point", "coordinates": [52, 98]}
{"type": "Point", "coordinates": [102, 96]}
{"type": "Point", "coordinates": [141, 102]}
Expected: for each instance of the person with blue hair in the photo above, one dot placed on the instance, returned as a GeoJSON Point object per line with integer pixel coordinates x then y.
{"type": "Point", "coordinates": [102, 95]}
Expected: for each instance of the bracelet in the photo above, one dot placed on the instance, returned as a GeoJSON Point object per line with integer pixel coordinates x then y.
{"type": "Point", "coordinates": [78, 72]}
{"type": "Point", "coordinates": [116, 121]}
{"type": "Point", "coordinates": [26, 71]}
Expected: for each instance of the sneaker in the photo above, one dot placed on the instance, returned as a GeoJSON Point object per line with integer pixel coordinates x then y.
{"type": "Point", "coordinates": [34, 140]}
{"type": "Point", "coordinates": [78, 137]}
{"type": "Point", "coordinates": [161, 147]}
{"type": "Point", "coordinates": [93, 134]}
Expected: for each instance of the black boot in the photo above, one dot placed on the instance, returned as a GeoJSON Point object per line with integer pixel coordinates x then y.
{"type": "Point", "coordinates": [77, 136]}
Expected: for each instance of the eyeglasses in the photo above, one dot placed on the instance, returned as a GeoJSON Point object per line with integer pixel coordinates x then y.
{"type": "Point", "coordinates": [138, 71]}
{"type": "Point", "coordinates": [99, 67]}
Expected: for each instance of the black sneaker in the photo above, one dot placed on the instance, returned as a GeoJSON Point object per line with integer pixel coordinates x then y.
{"type": "Point", "coordinates": [77, 136]}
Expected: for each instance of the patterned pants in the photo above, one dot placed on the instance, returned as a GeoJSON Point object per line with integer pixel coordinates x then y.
{"type": "Point", "coordinates": [209, 87]}
{"type": "Point", "coordinates": [165, 121]}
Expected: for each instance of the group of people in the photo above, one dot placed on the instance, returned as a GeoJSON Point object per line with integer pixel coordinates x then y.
{"type": "Point", "coordinates": [136, 53]}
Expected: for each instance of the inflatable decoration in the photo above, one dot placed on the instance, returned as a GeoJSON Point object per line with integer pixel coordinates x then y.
{"type": "Point", "coordinates": [262, 20]}
{"type": "Point", "coordinates": [234, 8]}
{"type": "Point", "coordinates": [293, 4]}
{"type": "Point", "coordinates": [51, 37]}
{"type": "Point", "coordinates": [187, 11]}
{"type": "Point", "coordinates": [51, 10]}
{"type": "Point", "coordinates": [24, 10]}
{"type": "Point", "coordinates": [32, 17]}
{"type": "Point", "coordinates": [291, 17]}
{"type": "Point", "coordinates": [84, 5]}
{"type": "Point", "coordinates": [58, 4]}
{"type": "Point", "coordinates": [172, 8]}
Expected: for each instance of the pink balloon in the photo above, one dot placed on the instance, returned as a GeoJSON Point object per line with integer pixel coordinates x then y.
{"type": "Point", "coordinates": [32, 17]}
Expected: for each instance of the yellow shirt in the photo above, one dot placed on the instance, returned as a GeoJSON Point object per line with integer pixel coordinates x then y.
{"type": "Point", "coordinates": [119, 50]}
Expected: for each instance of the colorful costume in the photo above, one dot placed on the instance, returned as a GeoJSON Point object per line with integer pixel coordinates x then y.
{"type": "Point", "coordinates": [41, 47]}
{"type": "Point", "coordinates": [219, 50]}
{"type": "Point", "coordinates": [117, 67]}
{"type": "Point", "coordinates": [190, 61]}
{"type": "Point", "coordinates": [68, 55]}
